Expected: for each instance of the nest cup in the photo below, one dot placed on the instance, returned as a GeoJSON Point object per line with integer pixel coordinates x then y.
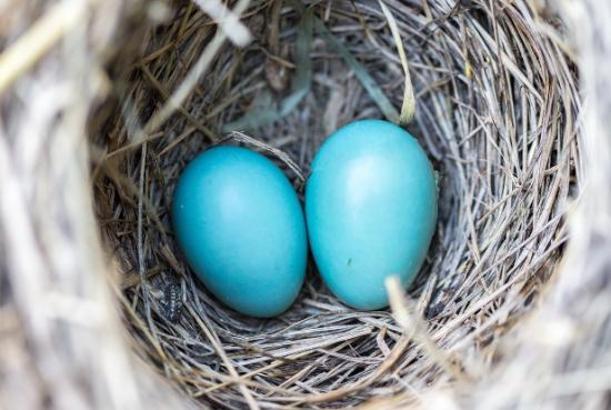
{"type": "Point", "coordinates": [496, 104]}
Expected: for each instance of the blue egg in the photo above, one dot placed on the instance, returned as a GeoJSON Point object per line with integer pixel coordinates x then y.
{"type": "Point", "coordinates": [241, 227]}
{"type": "Point", "coordinates": [371, 210]}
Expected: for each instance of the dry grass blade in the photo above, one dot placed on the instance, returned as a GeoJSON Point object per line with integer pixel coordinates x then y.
{"type": "Point", "coordinates": [281, 155]}
{"type": "Point", "coordinates": [38, 40]}
{"type": "Point", "coordinates": [415, 328]}
{"type": "Point", "coordinates": [367, 81]}
{"type": "Point", "coordinates": [252, 404]}
{"type": "Point", "coordinates": [228, 21]}
{"type": "Point", "coordinates": [408, 107]}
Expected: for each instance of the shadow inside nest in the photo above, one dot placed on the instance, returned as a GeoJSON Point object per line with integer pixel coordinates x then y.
{"type": "Point", "coordinates": [496, 119]}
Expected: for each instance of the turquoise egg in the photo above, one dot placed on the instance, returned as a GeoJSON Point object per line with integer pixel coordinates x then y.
{"type": "Point", "coordinates": [241, 228]}
{"type": "Point", "coordinates": [371, 210]}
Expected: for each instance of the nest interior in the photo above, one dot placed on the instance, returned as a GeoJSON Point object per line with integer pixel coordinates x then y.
{"type": "Point", "coordinates": [496, 104]}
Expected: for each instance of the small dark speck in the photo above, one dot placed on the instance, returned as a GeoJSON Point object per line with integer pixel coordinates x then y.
{"type": "Point", "coordinates": [349, 263]}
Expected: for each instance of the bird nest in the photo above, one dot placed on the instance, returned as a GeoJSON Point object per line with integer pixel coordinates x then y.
{"type": "Point", "coordinates": [496, 108]}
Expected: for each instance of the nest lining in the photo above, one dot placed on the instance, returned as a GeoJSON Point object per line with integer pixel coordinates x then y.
{"type": "Point", "coordinates": [496, 110]}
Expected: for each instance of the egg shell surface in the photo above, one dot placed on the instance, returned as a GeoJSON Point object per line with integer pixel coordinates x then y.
{"type": "Point", "coordinates": [371, 210]}
{"type": "Point", "coordinates": [241, 227]}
